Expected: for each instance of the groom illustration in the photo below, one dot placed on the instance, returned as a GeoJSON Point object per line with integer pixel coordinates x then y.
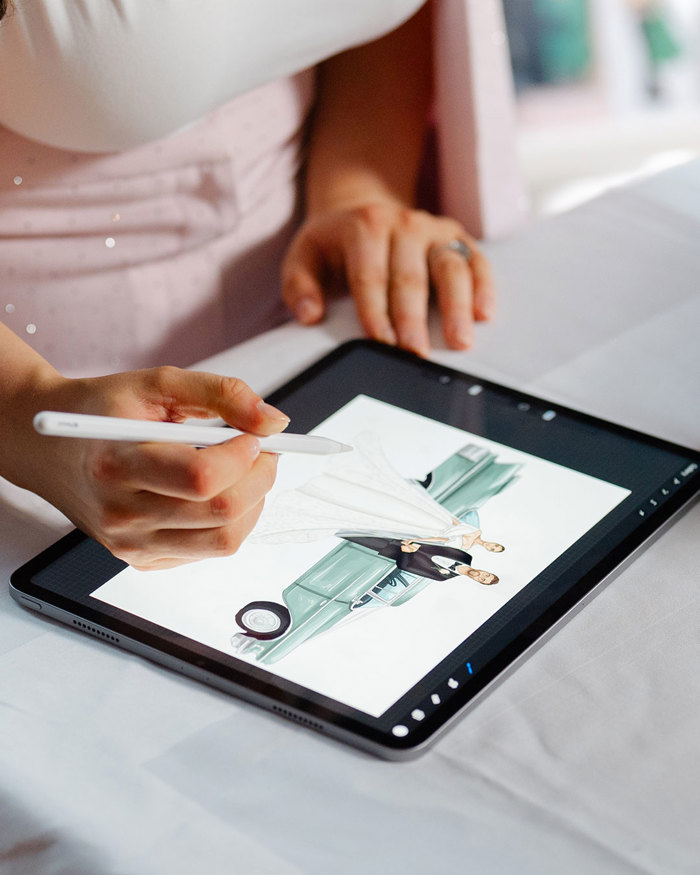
{"type": "Point", "coordinates": [424, 559]}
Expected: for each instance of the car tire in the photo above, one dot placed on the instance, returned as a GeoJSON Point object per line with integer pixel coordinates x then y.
{"type": "Point", "coordinates": [264, 620]}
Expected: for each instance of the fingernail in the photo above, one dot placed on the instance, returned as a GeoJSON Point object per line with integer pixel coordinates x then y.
{"type": "Point", "coordinates": [463, 339]}
{"type": "Point", "coordinates": [306, 310]}
{"type": "Point", "coordinates": [270, 412]}
{"type": "Point", "coordinates": [416, 344]}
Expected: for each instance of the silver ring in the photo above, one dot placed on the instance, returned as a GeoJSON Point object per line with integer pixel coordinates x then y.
{"type": "Point", "coordinates": [458, 246]}
{"type": "Point", "coordinates": [461, 248]}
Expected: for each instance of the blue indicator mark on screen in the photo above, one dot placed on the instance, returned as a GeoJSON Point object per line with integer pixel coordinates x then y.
{"type": "Point", "coordinates": [469, 668]}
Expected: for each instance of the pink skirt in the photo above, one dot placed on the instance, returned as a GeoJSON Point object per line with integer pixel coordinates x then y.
{"type": "Point", "coordinates": [164, 254]}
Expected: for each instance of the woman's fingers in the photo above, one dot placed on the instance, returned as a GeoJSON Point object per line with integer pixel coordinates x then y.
{"type": "Point", "coordinates": [452, 280]}
{"type": "Point", "coordinates": [302, 273]}
{"type": "Point", "coordinates": [175, 470]}
{"type": "Point", "coordinates": [175, 394]}
{"type": "Point", "coordinates": [147, 510]}
{"type": "Point", "coordinates": [391, 256]}
{"type": "Point", "coordinates": [171, 547]}
{"type": "Point", "coordinates": [366, 242]}
{"type": "Point", "coordinates": [484, 287]}
{"type": "Point", "coordinates": [143, 527]}
{"type": "Point", "coordinates": [410, 291]}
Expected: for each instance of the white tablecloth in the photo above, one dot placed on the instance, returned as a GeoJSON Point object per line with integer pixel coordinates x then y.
{"type": "Point", "coordinates": [584, 760]}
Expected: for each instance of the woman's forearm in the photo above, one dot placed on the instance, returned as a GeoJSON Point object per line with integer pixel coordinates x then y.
{"type": "Point", "coordinates": [370, 119]}
{"type": "Point", "coordinates": [20, 365]}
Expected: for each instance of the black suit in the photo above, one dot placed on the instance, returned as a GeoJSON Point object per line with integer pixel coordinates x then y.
{"type": "Point", "coordinates": [420, 562]}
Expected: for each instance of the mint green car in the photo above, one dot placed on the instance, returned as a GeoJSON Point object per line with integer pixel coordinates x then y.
{"type": "Point", "coordinates": [351, 578]}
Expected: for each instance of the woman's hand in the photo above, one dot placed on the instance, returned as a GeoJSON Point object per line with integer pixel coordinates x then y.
{"type": "Point", "coordinates": [366, 143]}
{"type": "Point", "coordinates": [154, 505]}
{"type": "Point", "coordinates": [390, 257]}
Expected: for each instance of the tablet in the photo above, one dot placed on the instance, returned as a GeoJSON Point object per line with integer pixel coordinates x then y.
{"type": "Point", "coordinates": [384, 591]}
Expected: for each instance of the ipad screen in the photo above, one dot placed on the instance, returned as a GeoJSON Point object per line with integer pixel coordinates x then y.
{"type": "Point", "coordinates": [367, 570]}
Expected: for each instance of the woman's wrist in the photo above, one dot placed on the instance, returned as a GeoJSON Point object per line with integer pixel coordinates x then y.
{"type": "Point", "coordinates": [29, 384]}
{"type": "Point", "coordinates": [349, 188]}
{"type": "Point", "coordinates": [370, 120]}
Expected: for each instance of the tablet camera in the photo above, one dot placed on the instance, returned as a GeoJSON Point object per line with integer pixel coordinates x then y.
{"type": "Point", "coordinates": [444, 379]}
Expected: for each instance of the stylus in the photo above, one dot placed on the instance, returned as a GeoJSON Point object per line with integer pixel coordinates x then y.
{"type": "Point", "coordinates": [111, 428]}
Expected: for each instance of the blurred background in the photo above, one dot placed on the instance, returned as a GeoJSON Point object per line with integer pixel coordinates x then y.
{"type": "Point", "coordinates": [607, 91]}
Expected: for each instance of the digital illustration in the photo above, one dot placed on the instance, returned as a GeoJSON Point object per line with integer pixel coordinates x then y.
{"type": "Point", "coordinates": [375, 568]}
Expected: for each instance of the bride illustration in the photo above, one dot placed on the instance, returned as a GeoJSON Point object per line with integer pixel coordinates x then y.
{"type": "Point", "coordinates": [364, 494]}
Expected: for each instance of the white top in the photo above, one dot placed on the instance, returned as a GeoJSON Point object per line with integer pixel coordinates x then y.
{"type": "Point", "coordinates": [105, 75]}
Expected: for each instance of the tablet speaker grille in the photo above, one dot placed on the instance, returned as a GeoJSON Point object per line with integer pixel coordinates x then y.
{"type": "Point", "coordinates": [298, 718]}
{"type": "Point", "coordinates": [93, 630]}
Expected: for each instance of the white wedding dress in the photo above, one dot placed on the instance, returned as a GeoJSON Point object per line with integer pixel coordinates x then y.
{"type": "Point", "coordinates": [359, 494]}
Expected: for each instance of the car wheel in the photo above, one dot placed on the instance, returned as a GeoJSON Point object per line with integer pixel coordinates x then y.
{"type": "Point", "coordinates": [264, 620]}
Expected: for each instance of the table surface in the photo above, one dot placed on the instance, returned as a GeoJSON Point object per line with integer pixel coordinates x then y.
{"type": "Point", "coordinates": [585, 759]}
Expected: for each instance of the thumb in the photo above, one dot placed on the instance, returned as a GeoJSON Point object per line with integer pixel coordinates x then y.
{"type": "Point", "coordinates": [301, 281]}
{"type": "Point", "coordinates": [201, 394]}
